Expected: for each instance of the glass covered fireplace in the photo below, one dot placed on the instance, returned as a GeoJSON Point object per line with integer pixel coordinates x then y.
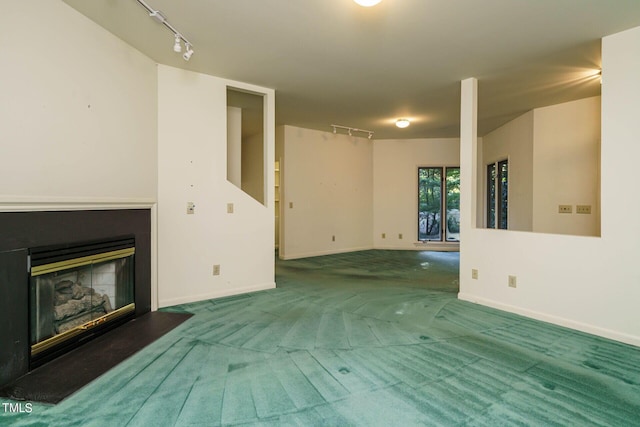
{"type": "Point", "coordinates": [77, 291]}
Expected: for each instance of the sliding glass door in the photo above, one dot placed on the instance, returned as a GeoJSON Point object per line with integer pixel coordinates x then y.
{"type": "Point", "coordinates": [439, 204]}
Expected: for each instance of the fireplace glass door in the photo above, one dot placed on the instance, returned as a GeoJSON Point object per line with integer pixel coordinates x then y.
{"type": "Point", "coordinates": [70, 297]}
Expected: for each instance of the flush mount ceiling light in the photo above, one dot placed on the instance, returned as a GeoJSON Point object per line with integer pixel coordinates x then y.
{"type": "Point", "coordinates": [367, 3]}
{"type": "Point", "coordinates": [402, 123]}
{"type": "Point", "coordinates": [159, 17]}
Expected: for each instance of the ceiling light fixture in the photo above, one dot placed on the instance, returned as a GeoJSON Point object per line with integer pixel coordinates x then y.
{"type": "Point", "coordinates": [159, 17]}
{"type": "Point", "coordinates": [351, 130]}
{"type": "Point", "coordinates": [367, 3]}
{"type": "Point", "coordinates": [188, 53]}
{"type": "Point", "coordinates": [402, 123]}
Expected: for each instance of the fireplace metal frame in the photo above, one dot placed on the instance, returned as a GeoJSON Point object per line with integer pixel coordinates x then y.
{"type": "Point", "coordinates": [50, 259]}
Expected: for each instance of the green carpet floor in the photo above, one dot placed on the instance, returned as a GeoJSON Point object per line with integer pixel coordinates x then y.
{"type": "Point", "coordinates": [373, 338]}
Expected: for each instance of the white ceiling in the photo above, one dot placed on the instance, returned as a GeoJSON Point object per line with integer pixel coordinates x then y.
{"type": "Point", "coordinates": [334, 62]}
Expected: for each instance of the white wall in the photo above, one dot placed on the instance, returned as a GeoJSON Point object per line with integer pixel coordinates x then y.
{"type": "Point", "coordinates": [234, 146]}
{"type": "Point", "coordinates": [192, 157]}
{"type": "Point", "coordinates": [328, 179]}
{"type": "Point", "coordinates": [566, 161]}
{"type": "Point", "coordinates": [78, 118]}
{"type": "Point", "coordinates": [513, 141]}
{"type": "Point", "coordinates": [253, 166]}
{"type": "Point", "coordinates": [395, 187]}
{"type": "Point", "coordinates": [279, 205]}
{"type": "Point", "coordinates": [587, 283]}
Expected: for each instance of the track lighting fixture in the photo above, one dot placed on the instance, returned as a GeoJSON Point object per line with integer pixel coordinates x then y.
{"type": "Point", "coordinates": [188, 53]}
{"type": "Point", "coordinates": [351, 130]}
{"type": "Point", "coordinates": [159, 17]}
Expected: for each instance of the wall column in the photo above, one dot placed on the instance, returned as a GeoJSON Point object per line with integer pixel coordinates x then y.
{"type": "Point", "coordinates": [468, 169]}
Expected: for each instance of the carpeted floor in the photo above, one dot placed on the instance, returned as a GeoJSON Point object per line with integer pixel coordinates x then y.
{"type": "Point", "coordinates": [374, 338]}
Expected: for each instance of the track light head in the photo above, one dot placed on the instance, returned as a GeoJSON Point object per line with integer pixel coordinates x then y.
{"type": "Point", "coordinates": [370, 135]}
{"type": "Point", "coordinates": [177, 47]}
{"type": "Point", "coordinates": [188, 53]}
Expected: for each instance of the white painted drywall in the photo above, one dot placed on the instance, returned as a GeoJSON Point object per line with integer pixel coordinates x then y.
{"type": "Point", "coordinates": [395, 186]}
{"type": "Point", "coordinates": [234, 146]}
{"type": "Point", "coordinates": [566, 166]}
{"type": "Point", "coordinates": [279, 205]}
{"type": "Point", "coordinates": [253, 166]}
{"type": "Point", "coordinates": [512, 141]}
{"type": "Point", "coordinates": [192, 157]}
{"type": "Point", "coordinates": [327, 190]}
{"type": "Point", "coordinates": [78, 119]}
{"type": "Point", "coordinates": [587, 283]}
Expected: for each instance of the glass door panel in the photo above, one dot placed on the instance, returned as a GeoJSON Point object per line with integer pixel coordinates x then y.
{"type": "Point", "coordinates": [429, 204]}
{"type": "Point", "coordinates": [452, 197]}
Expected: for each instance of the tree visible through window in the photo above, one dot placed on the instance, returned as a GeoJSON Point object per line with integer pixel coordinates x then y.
{"type": "Point", "coordinates": [438, 187]}
{"type": "Point", "coordinates": [498, 194]}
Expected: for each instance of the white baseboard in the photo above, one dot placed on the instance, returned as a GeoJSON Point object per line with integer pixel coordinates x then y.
{"type": "Point", "coordinates": [419, 246]}
{"type": "Point", "coordinates": [327, 252]}
{"type": "Point", "coordinates": [217, 294]}
{"type": "Point", "coordinates": [560, 321]}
